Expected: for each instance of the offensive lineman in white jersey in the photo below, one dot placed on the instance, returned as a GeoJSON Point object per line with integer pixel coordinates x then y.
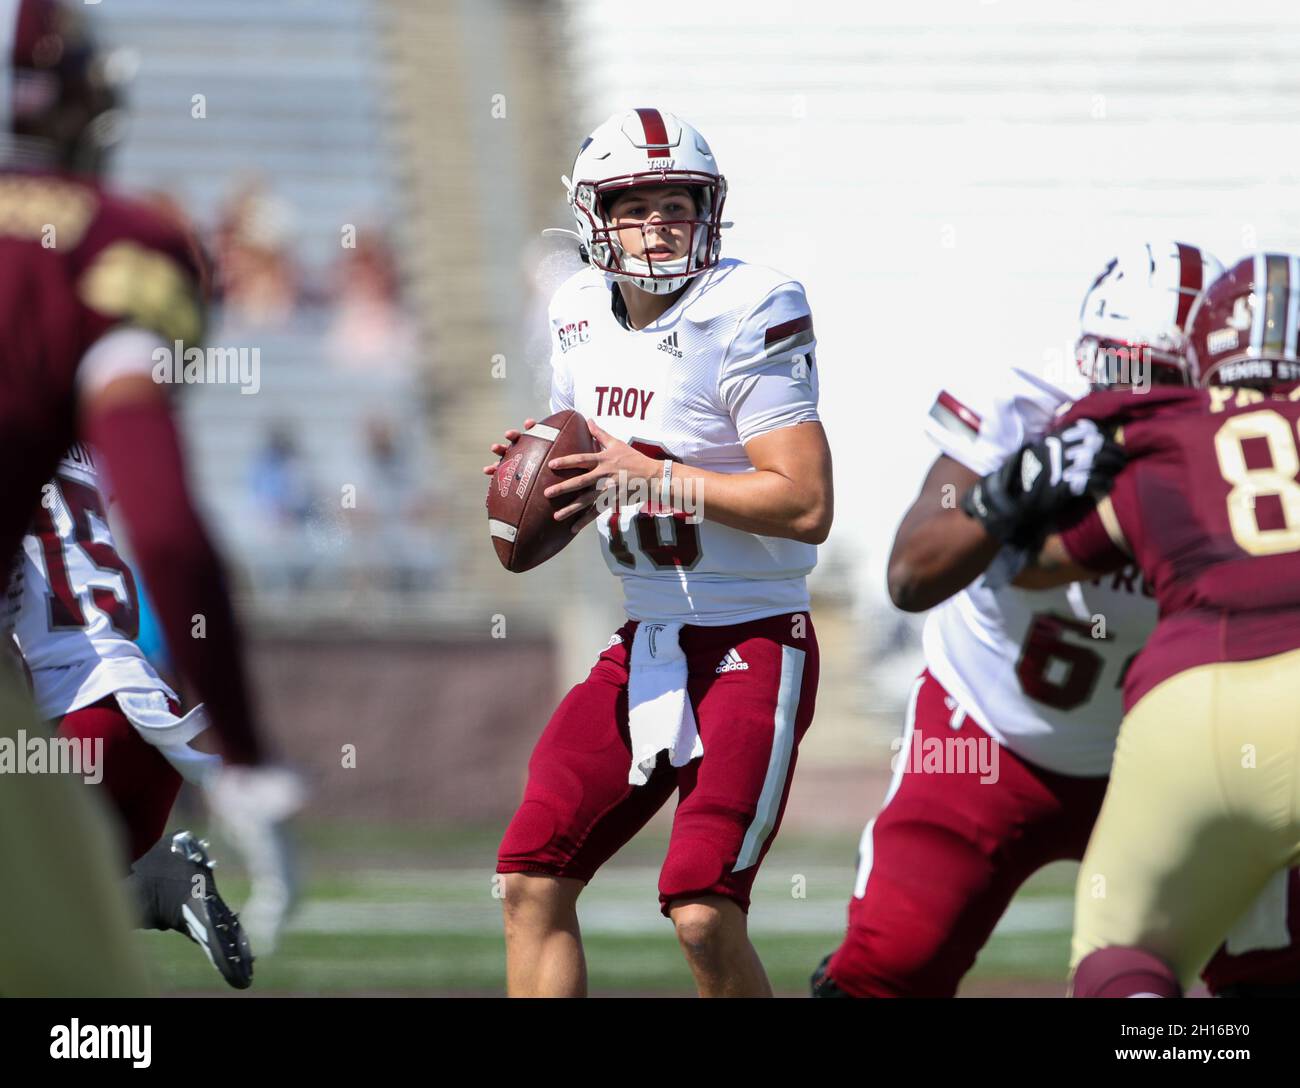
{"type": "Point", "coordinates": [1035, 677]}
{"type": "Point", "coordinates": [77, 616]}
{"type": "Point", "coordinates": [697, 377]}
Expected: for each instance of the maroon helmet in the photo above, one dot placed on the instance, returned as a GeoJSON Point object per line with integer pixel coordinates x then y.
{"type": "Point", "coordinates": [57, 102]}
{"type": "Point", "coordinates": [1243, 329]}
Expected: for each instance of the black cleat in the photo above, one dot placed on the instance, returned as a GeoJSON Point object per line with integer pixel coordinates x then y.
{"type": "Point", "coordinates": [209, 922]}
{"type": "Point", "coordinates": [175, 888]}
{"type": "Point", "coordinates": [822, 984]}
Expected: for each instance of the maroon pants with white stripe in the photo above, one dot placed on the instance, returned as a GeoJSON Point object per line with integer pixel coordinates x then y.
{"type": "Point", "coordinates": [752, 686]}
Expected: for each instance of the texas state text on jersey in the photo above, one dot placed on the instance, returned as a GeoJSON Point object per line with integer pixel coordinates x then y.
{"type": "Point", "coordinates": [731, 360]}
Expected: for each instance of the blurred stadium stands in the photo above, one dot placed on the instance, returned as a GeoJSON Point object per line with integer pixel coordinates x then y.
{"type": "Point", "coordinates": [289, 153]}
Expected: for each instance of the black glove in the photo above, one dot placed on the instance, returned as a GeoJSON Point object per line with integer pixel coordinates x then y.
{"type": "Point", "coordinates": [1040, 481]}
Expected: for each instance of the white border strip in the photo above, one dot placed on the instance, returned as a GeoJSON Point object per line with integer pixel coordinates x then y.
{"type": "Point", "coordinates": [1260, 274]}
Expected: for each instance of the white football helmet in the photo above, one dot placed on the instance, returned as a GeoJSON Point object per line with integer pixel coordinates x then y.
{"type": "Point", "coordinates": [647, 147]}
{"type": "Point", "coordinates": [1135, 313]}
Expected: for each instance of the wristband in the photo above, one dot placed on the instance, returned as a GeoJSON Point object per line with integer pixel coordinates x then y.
{"type": "Point", "coordinates": [666, 484]}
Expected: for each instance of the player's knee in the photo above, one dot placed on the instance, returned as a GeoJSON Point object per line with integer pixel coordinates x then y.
{"type": "Point", "coordinates": [883, 960]}
{"type": "Point", "coordinates": [537, 897]}
{"type": "Point", "coordinates": [1124, 972]}
{"type": "Point", "coordinates": [702, 929]}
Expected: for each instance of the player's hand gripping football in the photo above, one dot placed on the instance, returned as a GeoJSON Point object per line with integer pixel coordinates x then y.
{"type": "Point", "coordinates": [499, 448]}
{"type": "Point", "coordinates": [605, 466]}
{"type": "Point", "coordinates": [1018, 502]}
{"type": "Point", "coordinates": [614, 464]}
{"type": "Point", "coordinates": [585, 502]}
{"type": "Point", "coordinates": [253, 806]}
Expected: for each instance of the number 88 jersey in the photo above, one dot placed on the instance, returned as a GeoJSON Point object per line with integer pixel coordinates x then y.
{"type": "Point", "coordinates": [77, 609]}
{"type": "Point", "coordinates": [1209, 505]}
{"type": "Point", "coordinates": [731, 360]}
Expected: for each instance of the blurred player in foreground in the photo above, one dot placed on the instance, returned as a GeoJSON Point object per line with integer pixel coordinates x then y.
{"type": "Point", "coordinates": [92, 288]}
{"type": "Point", "coordinates": [697, 377]}
{"type": "Point", "coordinates": [78, 614]}
{"type": "Point", "coordinates": [1203, 809]}
{"type": "Point", "coordinates": [1022, 685]}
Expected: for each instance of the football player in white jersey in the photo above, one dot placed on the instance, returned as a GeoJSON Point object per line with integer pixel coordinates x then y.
{"type": "Point", "coordinates": [77, 615]}
{"type": "Point", "coordinates": [1028, 683]}
{"type": "Point", "coordinates": [698, 378]}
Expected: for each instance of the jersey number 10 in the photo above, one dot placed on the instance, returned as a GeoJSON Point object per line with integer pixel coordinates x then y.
{"type": "Point", "coordinates": [681, 550]}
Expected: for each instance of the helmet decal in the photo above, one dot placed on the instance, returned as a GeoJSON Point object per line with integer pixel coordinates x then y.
{"type": "Point", "coordinates": [1245, 327]}
{"type": "Point", "coordinates": [656, 133]}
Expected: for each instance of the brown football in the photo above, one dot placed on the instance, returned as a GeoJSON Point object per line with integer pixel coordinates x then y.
{"type": "Point", "coordinates": [521, 519]}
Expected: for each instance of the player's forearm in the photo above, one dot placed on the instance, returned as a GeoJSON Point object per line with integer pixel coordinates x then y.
{"type": "Point", "coordinates": [763, 501]}
{"type": "Point", "coordinates": [1053, 566]}
{"type": "Point", "coordinates": [138, 444]}
{"type": "Point", "coordinates": [936, 556]}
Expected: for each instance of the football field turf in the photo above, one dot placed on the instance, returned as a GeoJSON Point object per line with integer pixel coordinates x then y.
{"type": "Point", "coordinates": [409, 912]}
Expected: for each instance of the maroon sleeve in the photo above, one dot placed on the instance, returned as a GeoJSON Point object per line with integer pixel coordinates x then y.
{"type": "Point", "coordinates": [141, 452]}
{"type": "Point", "coordinates": [1090, 545]}
{"type": "Point", "coordinates": [1086, 538]}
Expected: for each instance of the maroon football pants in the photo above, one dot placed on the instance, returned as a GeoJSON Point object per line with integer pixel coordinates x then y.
{"type": "Point", "coordinates": [753, 687]}
{"type": "Point", "coordinates": [140, 784]}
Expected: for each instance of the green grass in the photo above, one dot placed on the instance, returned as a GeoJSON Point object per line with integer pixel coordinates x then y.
{"type": "Point", "coordinates": [412, 911]}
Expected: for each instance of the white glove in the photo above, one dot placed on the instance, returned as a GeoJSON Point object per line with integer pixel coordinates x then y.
{"type": "Point", "coordinates": [252, 805]}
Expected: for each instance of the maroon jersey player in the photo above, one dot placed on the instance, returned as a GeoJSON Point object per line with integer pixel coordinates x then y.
{"type": "Point", "coordinates": [1209, 507]}
{"type": "Point", "coordinates": [1202, 809]}
{"type": "Point", "coordinates": [92, 288]}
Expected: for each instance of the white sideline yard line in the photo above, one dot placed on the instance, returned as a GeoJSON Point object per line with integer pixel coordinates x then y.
{"type": "Point", "coordinates": [621, 902]}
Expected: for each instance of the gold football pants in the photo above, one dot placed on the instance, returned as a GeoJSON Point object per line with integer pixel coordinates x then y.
{"type": "Point", "coordinates": [64, 925]}
{"type": "Point", "coordinates": [1202, 810]}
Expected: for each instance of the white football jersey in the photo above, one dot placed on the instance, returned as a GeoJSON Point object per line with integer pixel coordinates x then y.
{"type": "Point", "coordinates": [732, 359]}
{"type": "Point", "coordinates": [77, 610]}
{"type": "Point", "coordinates": [1041, 670]}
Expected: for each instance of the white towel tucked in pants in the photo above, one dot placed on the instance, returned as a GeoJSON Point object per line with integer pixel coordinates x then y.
{"type": "Point", "coordinates": [659, 716]}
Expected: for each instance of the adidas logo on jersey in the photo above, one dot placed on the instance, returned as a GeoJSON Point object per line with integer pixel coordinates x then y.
{"type": "Point", "coordinates": [669, 344]}
{"type": "Point", "coordinates": [733, 662]}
